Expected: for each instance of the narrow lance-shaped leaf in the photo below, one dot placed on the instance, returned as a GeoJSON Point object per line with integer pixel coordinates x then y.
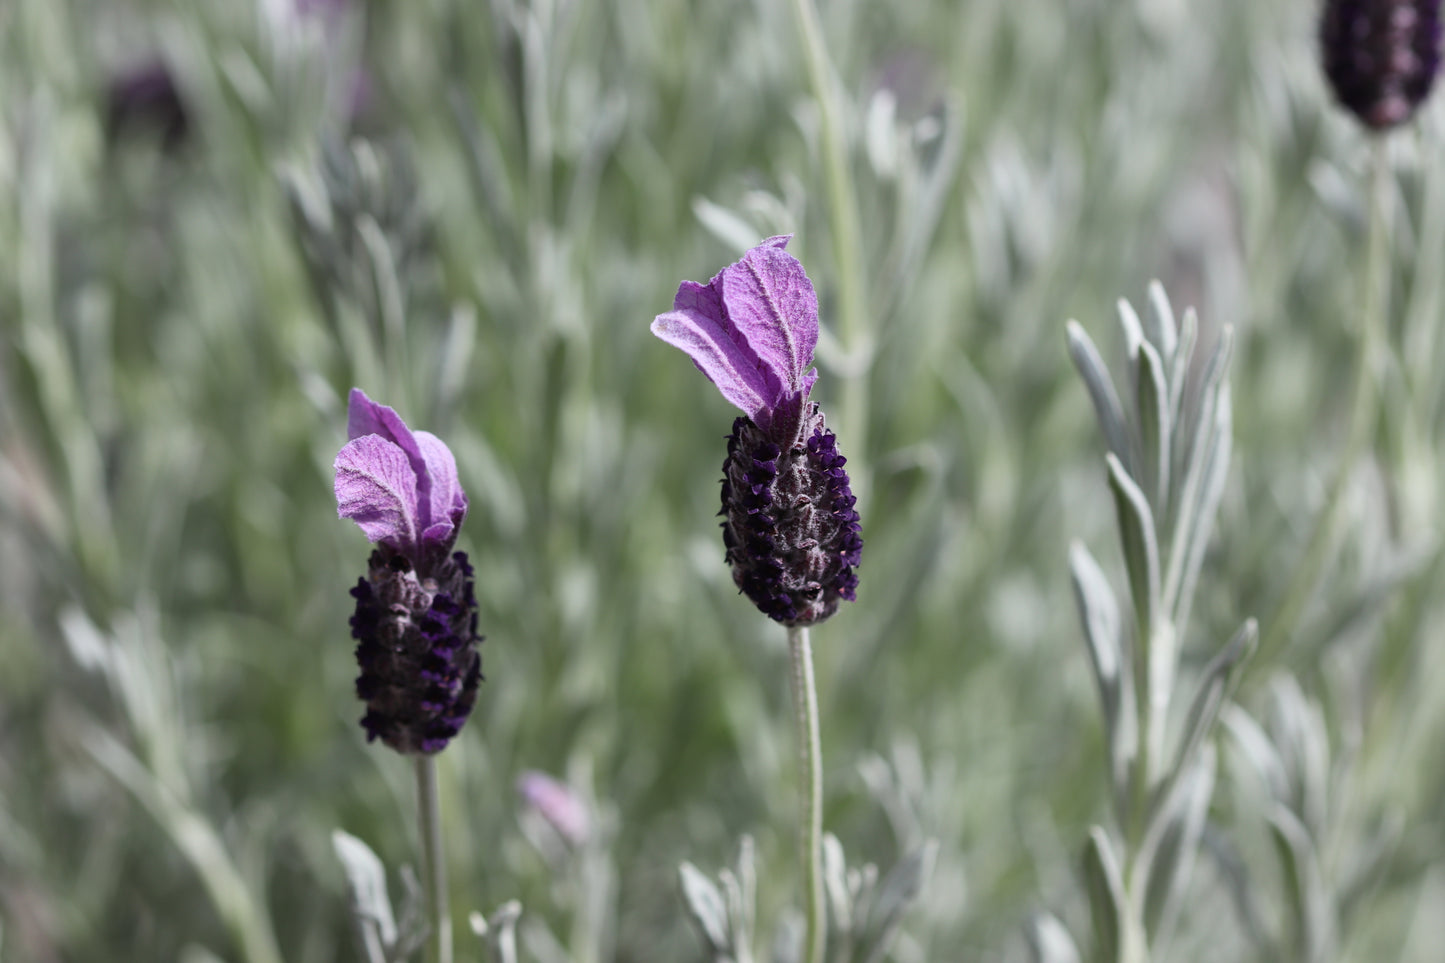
{"type": "Point", "coordinates": [1210, 495]}
{"type": "Point", "coordinates": [370, 904]}
{"type": "Point", "coordinates": [1107, 902]}
{"type": "Point", "coordinates": [1107, 409]}
{"type": "Point", "coordinates": [1314, 917]}
{"type": "Point", "coordinates": [1172, 843]}
{"type": "Point", "coordinates": [1155, 429]}
{"type": "Point", "coordinates": [1049, 942]}
{"type": "Point", "coordinates": [1133, 329]}
{"type": "Point", "coordinates": [706, 904]}
{"type": "Point", "coordinates": [1190, 514]}
{"type": "Point", "coordinates": [1215, 685]}
{"type": "Point", "coordinates": [1162, 330]}
{"type": "Point", "coordinates": [1141, 547]}
{"type": "Point", "coordinates": [1110, 660]}
{"type": "Point", "coordinates": [1179, 366]}
{"type": "Point", "coordinates": [895, 894]}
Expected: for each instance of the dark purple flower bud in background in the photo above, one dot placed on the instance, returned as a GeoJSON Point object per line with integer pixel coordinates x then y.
{"type": "Point", "coordinates": [416, 612]}
{"type": "Point", "coordinates": [1381, 56]}
{"type": "Point", "coordinates": [144, 101]}
{"type": "Point", "coordinates": [558, 804]}
{"type": "Point", "coordinates": [790, 529]}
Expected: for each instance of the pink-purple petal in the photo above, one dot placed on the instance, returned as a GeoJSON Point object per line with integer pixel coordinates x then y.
{"type": "Point", "coordinates": [726, 363]}
{"type": "Point", "coordinates": [768, 297]}
{"type": "Point", "coordinates": [448, 502]}
{"type": "Point", "coordinates": [366, 417]}
{"type": "Point", "coordinates": [376, 487]}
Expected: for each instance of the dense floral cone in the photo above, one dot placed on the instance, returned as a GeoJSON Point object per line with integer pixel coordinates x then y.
{"type": "Point", "coordinates": [791, 533]}
{"type": "Point", "coordinates": [1381, 56]}
{"type": "Point", "coordinates": [416, 646]}
{"type": "Point", "coordinates": [416, 611]}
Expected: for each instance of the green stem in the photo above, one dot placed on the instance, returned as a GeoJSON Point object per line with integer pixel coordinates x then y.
{"type": "Point", "coordinates": [847, 237]}
{"type": "Point", "coordinates": [434, 867]}
{"type": "Point", "coordinates": [1364, 412]}
{"type": "Point", "coordinates": [810, 765]}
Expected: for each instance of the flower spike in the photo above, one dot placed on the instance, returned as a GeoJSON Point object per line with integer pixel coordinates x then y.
{"type": "Point", "coordinates": [416, 612]}
{"type": "Point", "coordinates": [790, 529]}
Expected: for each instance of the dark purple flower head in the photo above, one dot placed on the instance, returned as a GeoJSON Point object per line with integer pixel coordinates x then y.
{"type": "Point", "coordinates": [1381, 56]}
{"type": "Point", "coordinates": [416, 613]}
{"type": "Point", "coordinates": [145, 100]}
{"type": "Point", "coordinates": [752, 331]}
{"type": "Point", "coordinates": [790, 529]}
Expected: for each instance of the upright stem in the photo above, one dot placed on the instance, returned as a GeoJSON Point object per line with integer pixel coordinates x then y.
{"type": "Point", "coordinates": [434, 867]}
{"type": "Point", "coordinates": [1364, 408]}
{"type": "Point", "coordinates": [810, 766]}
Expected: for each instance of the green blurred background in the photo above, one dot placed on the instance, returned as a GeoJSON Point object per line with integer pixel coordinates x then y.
{"type": "Point", "coordinates": [473, 211]}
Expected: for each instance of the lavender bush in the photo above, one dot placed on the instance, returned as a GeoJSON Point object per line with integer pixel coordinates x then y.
{"type": "Point", "coordinates": [471, 211]}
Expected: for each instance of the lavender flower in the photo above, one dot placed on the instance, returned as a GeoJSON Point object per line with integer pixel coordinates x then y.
{"type": "Point", "coordinates": [1381, 56]}
{"type": "Point", "coordinates": [145, 100]}
{"type": "Point", "coordinates": [416, 614]}
{"type": "Point", "coordinates": [790, 530]}
{"type": "Point", "coordinates": [558, 804]}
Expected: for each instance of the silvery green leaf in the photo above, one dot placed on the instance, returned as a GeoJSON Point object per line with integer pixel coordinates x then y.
{"type": "Point", "coordinates": [1173, 842]}
{"type": "Point", "coordinates": [1314, 917]}
{"type": "Point", "coordinates": [1205, 464]}
{"type": "Point", "coordinates": [743, 898]}
{"type": "Point", "coordinates": [788, 939]}
{"type": "Point", "coordinates": [835, 884]}
{"type": "Point", "coordinates": [198, 954]}
{"type": "Point", "coordinates": [1141, 547]}
{"type": "Point", "coordinates": [1133, 330]}
{"type": "Point", "coordinates": [1152, 399]}
{"type": "Point", "coordinates": [370, 903]}
{"type": "Point", "coordinates": [412, 926]}
{"type": "Point", "coordinates": [1049, 941]}
{"type": "Point", "coordinates": [1111, 662]}
{"type": "Point", "coordinates": [706, 904]}
{"type": "Point", "coordinates": [1251, 740]}
{"type": "Point", "coordinates": [1107, 902]}
{"type": "Point", "coordinates": [500, 930]}
{"type": "Point", "coordinates": [1216, 474]}
{"type": "Point", "coordinates": [1369, 862]}
{"type": "Point", "coordinates": [1107, 409]}
{"type": "Point", "coordinates": [724, 224]}
{"type": "Point", "coordinates": [1161, 329]}
{"type": "Point", "coordinates": [1303, 743]}
{"type": "Point", "coordinates": [1179, 364]}
{"type": "Point", "coordinates": [1216, 682]}
{"type": "Point", "coordinates": [881, 133]}
{"type": "Point", "coordinates": [1364, 602]}
{"type": "Point", "coordinates": [894, 895]}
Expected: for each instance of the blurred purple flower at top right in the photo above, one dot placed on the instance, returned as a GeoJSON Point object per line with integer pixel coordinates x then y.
{"type": "Point", "coordinates": [1381, 56]}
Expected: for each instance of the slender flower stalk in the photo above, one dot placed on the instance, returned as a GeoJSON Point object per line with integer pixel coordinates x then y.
{"type": "Point", "coordinates": [810, 769]}
{"type": "Point", "coordinates": [439, 939]}
{"type": "Point", "coordinates": [789, 524]}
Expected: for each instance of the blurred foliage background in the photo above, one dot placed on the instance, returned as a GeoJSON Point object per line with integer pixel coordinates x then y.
{"type": "Point", "coordinates": [215, 218]}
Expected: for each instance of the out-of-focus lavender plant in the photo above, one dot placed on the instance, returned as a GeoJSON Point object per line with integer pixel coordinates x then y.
{"type": "Point", "coordinates": [1167, 459]}
{"type": "Point", "coordinates": [1320, 835]}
